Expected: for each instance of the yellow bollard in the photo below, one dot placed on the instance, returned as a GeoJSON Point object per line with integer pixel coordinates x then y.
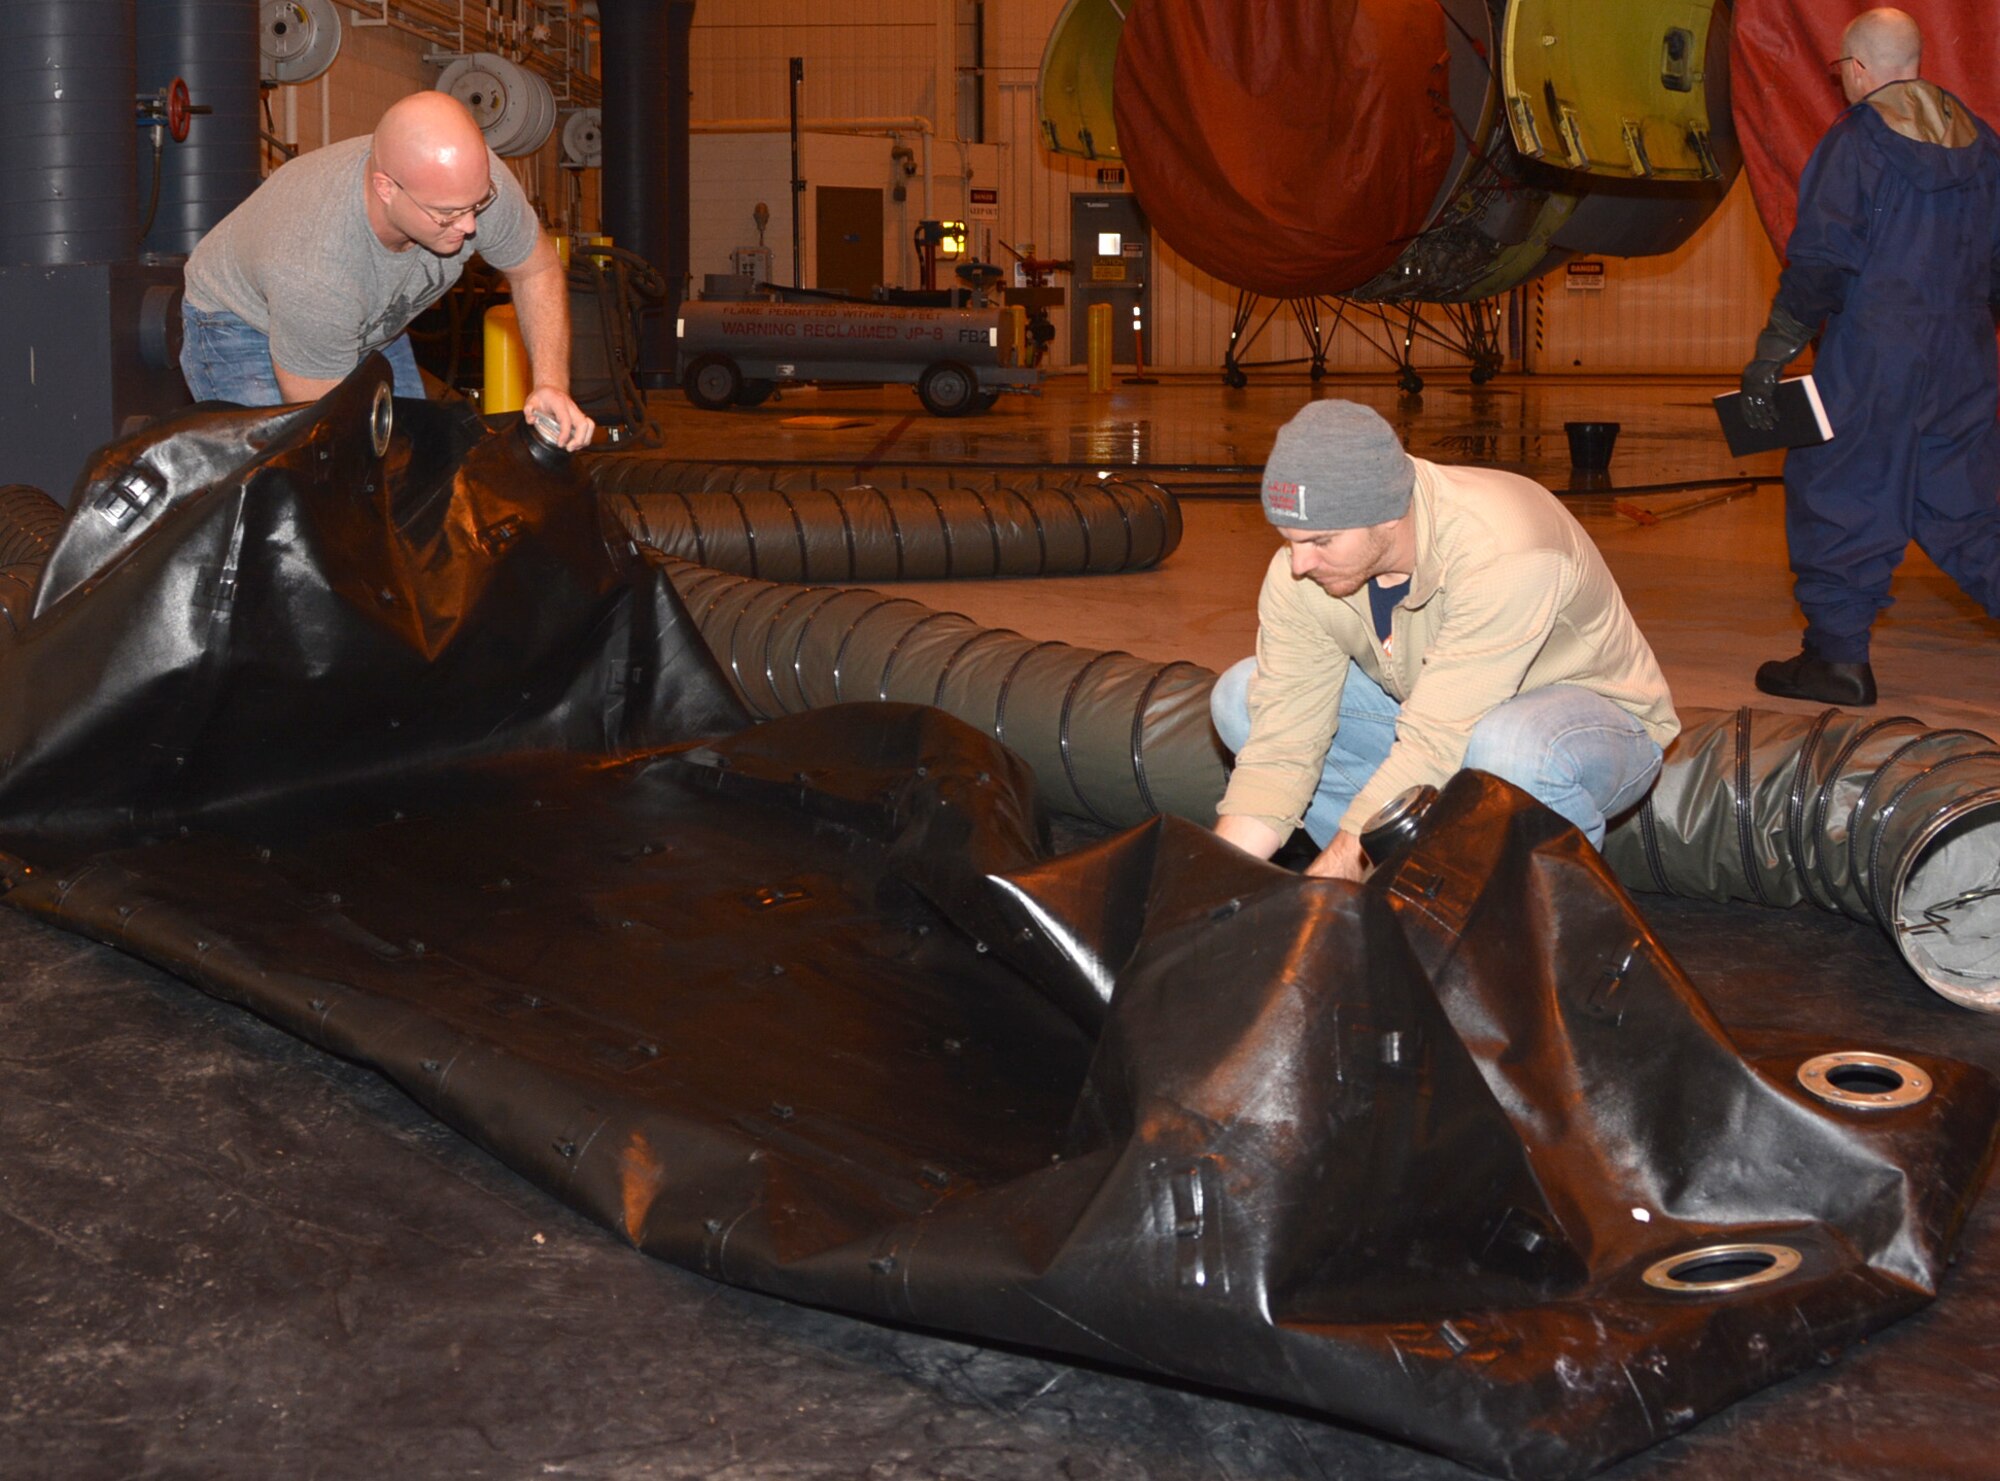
{"type": "Point", "coordinates": [568, 241]}
{"type": "Point", "coordinates": [506, 362]}
{"type": "Point", "coordinates": [1014, 334]}
{"type": "Point", "coordinates": [1099, 337]}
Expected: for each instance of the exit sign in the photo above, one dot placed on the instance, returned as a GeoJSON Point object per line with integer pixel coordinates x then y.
{"type": "Point", "coordinates": [1110, 175]}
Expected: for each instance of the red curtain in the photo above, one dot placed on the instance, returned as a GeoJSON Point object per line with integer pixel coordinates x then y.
{"type": "Point", "coordinates": [1783, 96]}
{"type": "Point", "coordinates": [1290, 149]}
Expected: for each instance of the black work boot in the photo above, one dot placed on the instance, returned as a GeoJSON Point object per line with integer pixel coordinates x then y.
{"type": "Point", "coordinates": [1810, 677]}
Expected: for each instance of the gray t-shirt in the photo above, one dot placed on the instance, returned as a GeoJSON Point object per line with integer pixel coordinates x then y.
{"type": "Point", "coordinates": [299, 261]}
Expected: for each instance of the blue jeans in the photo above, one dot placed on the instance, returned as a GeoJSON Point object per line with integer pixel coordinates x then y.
{"type": "Point", "coordinates": [224, 359]}
{"type": "Point", "coordinates": [1571, 749]}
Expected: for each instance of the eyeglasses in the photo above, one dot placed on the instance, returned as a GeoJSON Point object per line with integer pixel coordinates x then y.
{"type": "Point", "coordinates": [1833, 63]}
{"type": "Point", "coordinates": [446, 215]}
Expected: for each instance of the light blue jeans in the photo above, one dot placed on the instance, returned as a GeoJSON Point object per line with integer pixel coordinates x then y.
{"type": "Point", "coordinates": [1571, 749]}
{"type": "Point", "coordinates": [224, 359]}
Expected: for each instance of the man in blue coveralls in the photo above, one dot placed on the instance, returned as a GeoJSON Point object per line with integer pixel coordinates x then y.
{"type": "Point", "coordinates": [1897, 251]}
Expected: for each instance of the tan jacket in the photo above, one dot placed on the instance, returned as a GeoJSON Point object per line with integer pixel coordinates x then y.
{"type": "Point", "coordinates": [1508, 595]}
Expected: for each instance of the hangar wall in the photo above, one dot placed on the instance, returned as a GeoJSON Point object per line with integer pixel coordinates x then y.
{"type": "Point", "coordinates": [730, 173]}
{"type": "Point", "coordinates": [1696, 310]}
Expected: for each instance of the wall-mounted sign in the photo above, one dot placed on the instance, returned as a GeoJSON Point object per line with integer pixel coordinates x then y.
{"type": "Point", "coordinates": [1584, 276]}
{"type": "Point", "coordinates": [982, 204]}
{"type": "Point", "coordinates": [1110, 174]}
{"type": "Point", "coordinates": [1107, 272]}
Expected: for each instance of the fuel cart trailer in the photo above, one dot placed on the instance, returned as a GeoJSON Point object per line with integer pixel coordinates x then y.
{"type": "Point", "coordinates": [737, 352]}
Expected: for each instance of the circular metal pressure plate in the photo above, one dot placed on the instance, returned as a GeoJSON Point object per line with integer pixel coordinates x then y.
{"type": "Point", "coordinates": [381, 419]}
{"type": "Point", "coordinates": [1716, 1269]}
{"type": "Point", "coordinates": [1862, 1080]}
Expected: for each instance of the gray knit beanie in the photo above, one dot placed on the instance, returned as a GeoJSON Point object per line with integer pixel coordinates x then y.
{"type": "Point", "coordinates": [1336, 466]}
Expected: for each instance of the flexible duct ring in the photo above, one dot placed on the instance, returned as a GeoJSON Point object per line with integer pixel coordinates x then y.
{"type": "Point", "coordinates": [749, 533]}
{"type": "Point", "coordinates": [694, 523]}
{"type": "Point", "coordinates": [847, 535]}
{"type": "Point", "coordinates": [944, 673]}
{"type": "Point", "coordinates": [1082, 524]}
{"type": "Point", "coordinates": [1114, 490]}
{"type": "Point", "coordinates": [1744, 797]}
{"type": "Point", "coordinates": [1649, 838]}
{"type": "Point", "coordinates": [992, 525]}
{"type": "Point", "coordinates": [1860, 807]}
{"type": "Point", "coordinates": [1822, 795]}
{"type": "Point", "coordinates": [1139, 712]}
{"type": "Point", "coordinates": [944, 529]}
{"type": "Point", "coordinates": [735, 665]}
{"type": "Point", "coordinates": [798, 530]}
{"type": "Point", "coordinates": [827, 595]}
{"type": "Point", "coordinates": [895, 529]}
{"type": "Point", "coordinates": [840, 655]}
{"type": "Point", "coordinates": [771, 638]}
{"type": "Point", "coordinates": [1007, 684]}
{"type": "Point", "coordinates": [1883, 910]}
{"type": "Point", "coordinates": [889, 662]}
{"type": "Point", "coordinates": [1062, 736]}
{"type": "Point", "coordinates": [1041, 532]}
{"type": "Point", "coordinates": [1865, 806]}
{"type": "Point", "coordinates": [1798, 839]}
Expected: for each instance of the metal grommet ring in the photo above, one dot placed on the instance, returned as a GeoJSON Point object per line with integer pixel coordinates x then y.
{"type": "Point", "coordinates": [1717, 1269]}
{"type": "Point", "coordinates": [1861, 1080]}
{"type": "Point", "coordinates": [381, 418]}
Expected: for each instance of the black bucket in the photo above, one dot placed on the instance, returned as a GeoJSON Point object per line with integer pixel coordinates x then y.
{"type": "Point", "coordinates": [1590, 445]}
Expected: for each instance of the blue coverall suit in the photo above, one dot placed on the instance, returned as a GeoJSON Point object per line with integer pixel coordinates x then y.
{"type": "Point", "coordinates": [1897, 248]}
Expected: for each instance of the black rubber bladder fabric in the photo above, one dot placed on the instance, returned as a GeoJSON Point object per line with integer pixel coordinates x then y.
{"type": "Point", "coordinates": [372, 721]}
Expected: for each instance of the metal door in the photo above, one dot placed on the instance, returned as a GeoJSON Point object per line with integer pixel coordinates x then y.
{"type": "Point", "coordinates": [847, 239]}
{"type": "Point", "coordinates": [1112, 247]}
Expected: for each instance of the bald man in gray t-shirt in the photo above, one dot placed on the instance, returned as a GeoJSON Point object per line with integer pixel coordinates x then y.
{"type": "Point", "coordinates": [335, 254]}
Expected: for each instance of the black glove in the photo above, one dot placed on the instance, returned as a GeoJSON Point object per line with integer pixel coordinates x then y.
{"type": "Point", "coordinates": [1779, 344]}
{"type": "Point", "coordinates": [1760, 393]}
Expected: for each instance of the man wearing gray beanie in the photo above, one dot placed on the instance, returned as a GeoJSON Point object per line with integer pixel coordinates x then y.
{"type": "Point", "coordinates": [1420, 619]}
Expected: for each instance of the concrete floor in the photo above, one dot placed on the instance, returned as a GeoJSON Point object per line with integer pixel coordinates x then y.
{"type": "Point", "coordinates": [1694, 535]}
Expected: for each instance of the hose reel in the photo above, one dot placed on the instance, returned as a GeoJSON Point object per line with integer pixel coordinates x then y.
{"type": "Point", "coordinates": [298, 40]}
{"type": "Point", "coordinates": [515, 109]}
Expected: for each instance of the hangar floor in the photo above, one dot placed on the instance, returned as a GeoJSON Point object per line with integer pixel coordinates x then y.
{"type": "Point", "coordinates": [225, 1254]}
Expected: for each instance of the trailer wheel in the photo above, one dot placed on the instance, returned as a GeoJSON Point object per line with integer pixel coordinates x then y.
{"type": "Point", "coordinates": [756, 393]}
{"type": "Point", "coordinates": [947, 389]}
{"type": "Point", "coordinates": [713, 382]}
